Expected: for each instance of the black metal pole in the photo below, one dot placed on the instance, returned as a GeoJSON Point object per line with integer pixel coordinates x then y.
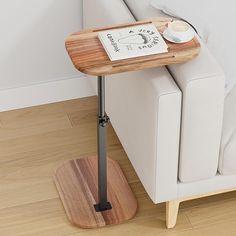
{"type": "Point", "coordinates": [103, 119]}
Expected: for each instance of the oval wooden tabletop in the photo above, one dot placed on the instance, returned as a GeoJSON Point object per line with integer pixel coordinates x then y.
{"type": "Point", "coordinates": [89, 56]}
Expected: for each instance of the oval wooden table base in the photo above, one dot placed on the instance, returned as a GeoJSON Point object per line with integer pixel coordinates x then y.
{"type": "Point", "coordinates": [76, 182]}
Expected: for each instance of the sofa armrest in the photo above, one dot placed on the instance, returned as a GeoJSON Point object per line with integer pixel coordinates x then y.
{"type": "Point", "coordinates": [145, 109]}
{"type": "Point", "coordinates": [202, 83]}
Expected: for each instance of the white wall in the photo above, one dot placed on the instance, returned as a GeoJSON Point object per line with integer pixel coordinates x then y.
{"type": "Point", "coordinates": [32, 52]}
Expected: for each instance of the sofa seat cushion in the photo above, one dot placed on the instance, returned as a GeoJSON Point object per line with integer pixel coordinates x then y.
{"type": "Point", "coordinates": [227, 160]}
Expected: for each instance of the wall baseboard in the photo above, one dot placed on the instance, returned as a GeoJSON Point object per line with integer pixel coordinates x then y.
{"type": "Point", "coordinates": [45, 93]}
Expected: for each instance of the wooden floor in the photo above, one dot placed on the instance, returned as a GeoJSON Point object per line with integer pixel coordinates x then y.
{"type": "Point", "coordinates": [35, 141]}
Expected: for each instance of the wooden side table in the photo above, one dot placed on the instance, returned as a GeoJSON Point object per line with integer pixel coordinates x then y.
{"type": "Point", "coordinates": [94, 191]}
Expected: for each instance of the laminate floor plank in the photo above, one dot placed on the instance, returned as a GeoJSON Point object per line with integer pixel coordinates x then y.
{"type": "Point", "coordinates": [35, 141]}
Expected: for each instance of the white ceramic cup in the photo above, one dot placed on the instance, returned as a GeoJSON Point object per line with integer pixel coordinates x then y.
{"type": "Point", "coordinates": [180, 30]}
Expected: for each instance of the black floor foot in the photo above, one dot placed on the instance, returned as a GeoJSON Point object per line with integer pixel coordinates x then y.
{"type": "Point", "coordinates": [100, 208]}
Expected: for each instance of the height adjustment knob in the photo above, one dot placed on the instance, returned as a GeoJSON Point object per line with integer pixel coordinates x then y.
{"type": "Point", "coordinates": [103, 120]}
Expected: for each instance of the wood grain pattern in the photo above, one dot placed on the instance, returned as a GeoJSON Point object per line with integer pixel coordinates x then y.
{"type": "Point", "coordinates": [76, 182]}
{"type": "Point", "coordinates": [89, 56]}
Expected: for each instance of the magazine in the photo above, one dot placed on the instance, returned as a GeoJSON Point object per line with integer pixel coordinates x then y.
{"type": "Point", "coordinates": [130, 42]}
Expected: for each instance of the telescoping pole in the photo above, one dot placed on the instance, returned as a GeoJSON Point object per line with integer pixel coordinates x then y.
{"type": "Point", "coordinates": [102, 121]}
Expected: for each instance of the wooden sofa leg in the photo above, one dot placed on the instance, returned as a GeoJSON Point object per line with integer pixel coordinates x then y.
{"type": "Point", "coordinates": [172, 208]}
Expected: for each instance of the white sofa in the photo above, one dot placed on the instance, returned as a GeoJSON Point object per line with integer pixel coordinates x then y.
{"type": "Point", "coordinates": [171, 121]}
